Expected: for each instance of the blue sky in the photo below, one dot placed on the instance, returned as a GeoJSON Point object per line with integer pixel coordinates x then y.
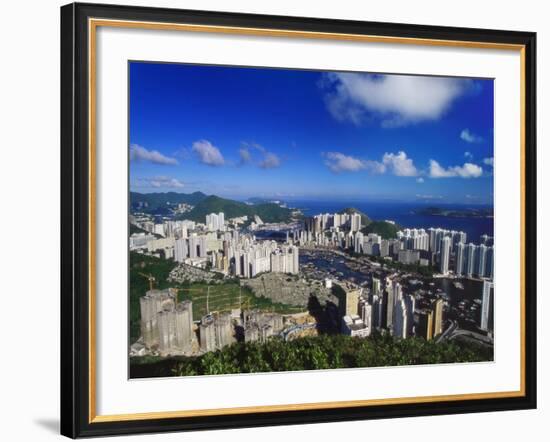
{"type": "Point", "coordinates": [290, 134]}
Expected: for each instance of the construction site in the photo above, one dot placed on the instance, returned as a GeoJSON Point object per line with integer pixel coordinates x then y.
{"type": "Point", "coordinates": [287, 289]}
{"type": "Point", "coordinates": [202, 318]}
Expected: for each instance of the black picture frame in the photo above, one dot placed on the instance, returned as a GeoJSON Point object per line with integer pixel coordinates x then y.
{"type": "Point", "coordinates": [75, 220]}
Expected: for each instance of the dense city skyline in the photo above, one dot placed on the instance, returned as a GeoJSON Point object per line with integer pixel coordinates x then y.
{"type": "Point", "coordinates": [378, 290]}
{"type": "Point", "coordinates": [242, 132]}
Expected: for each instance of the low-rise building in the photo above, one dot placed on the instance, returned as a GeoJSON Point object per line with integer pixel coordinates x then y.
{"type": "Point", "coordinates": [354, 326]}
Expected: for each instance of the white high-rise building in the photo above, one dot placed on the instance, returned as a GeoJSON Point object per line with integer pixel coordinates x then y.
{"type": "Point", "coordinates": [378, 311]}
{"type": "Point", "coordinates": [458, 237]}
{"type": "Point", "coordinates": [181, 250]}
{"type": "Point", "coordinates": [390, 302]}
{"type": "Point", "coordinates": [436, 234]}
{"type": "Point", "coordinates": [489, 266]}
{"type": "Point", "coordinates": [487, 307]}
{"type": "Point", "coordinates": [159, 229]}
{"type": "Point", "coordinates": [215, 221]}
{"type": "Point", "coordinates": [414, 239]}
{"type": "Point", "coordinates": [481, 260]}
{"type": "Point", "coordinates": [376, 286]}
{"type": "Point", "coordinates": [238, 267]}
{"type": "Point", "coordinates": [355, 222]}
{"type": "Point", "coordinates": [183, 232]}
{"type": "Point", "coordinates": [193, 246]}
{"type": "Point", "coordinates": [486, 239]}
{"type": "Point", "coordinates": [470, 259]}
{"type": "Point", "coordinates": [296, 260]}
{"type": "Point", "coordinates": [170, 228]}
{"type": "Point", "coordinates": [459, 258]}
{"type": "Point", "coordinates": [445, 254]}
{"type": "Point", "coordinates": [202, 246]}
{"type": "Point", "coordinates": [365, 309]}
{"type": "Point", "coordinates": [246, 265]}
{"type": "Point", "coordinates": [400, 319]}
{"type": "Point", "coordinates": [259, 265]}
{"type": "Point", "coordinates": [435, 239]}
{"type": "Point", "coordinates": [397, 292]}
{"type": "Point", "coordinates": [410, 303]}
{"type": "Point", "coordinates": [474, 260]}
{"type": "Point", "coordinates": [358, 242]}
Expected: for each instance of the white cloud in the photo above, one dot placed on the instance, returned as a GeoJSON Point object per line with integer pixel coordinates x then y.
{"type": "Point", "coordinates": [420, 180]}
{"type": "Point", "coordinates": [468, 155]}
{"type": "Point", "coordinates": [397, 100]}
{"type": "Point", "coordinates": [399, 164]}
{"type": "Point", "coordinates": [159, 182]}
{"type": "Point", "coordinates": [375, 166]}
{"type": "Point", "coordinates": [338, 162]}
{"type": "Point", "coordinates": [489, 161]}
{"type": "Point", "coordinates": [208, 153]}
{"type": "Point", "coordinates": [244, 153]}
{"type": "Point", "coordinates": [258, 147]}
{"type": "Point", "coordinates": [270, 161]}
{"type": "Point", "coordinates": [468, 170]}
{"type": "Point", "coordinates": [470, 137]}
{"type": "Point", "coordinates": [140, 153]}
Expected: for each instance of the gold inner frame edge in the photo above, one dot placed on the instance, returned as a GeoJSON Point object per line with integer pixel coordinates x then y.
{"type": "Point", "coordinates": [93, 24]}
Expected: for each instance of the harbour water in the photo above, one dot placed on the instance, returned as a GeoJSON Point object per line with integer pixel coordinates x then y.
{"type": "Point", "coordinates": [403, 213]}
{"type": "Point", "coordinates": [463, 295]}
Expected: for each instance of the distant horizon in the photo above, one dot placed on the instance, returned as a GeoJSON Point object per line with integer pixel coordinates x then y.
{"type": "Point", "coordinates": [434, 202]}
{"type": "Point", "coordinates": [275, 133]}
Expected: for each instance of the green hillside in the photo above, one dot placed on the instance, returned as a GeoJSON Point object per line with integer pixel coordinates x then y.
{"type": "Point", "coordinates": [268, 212]}
{"type": "Point", "coordinates": [383, 228]}
{"type": "Point", "coordinates": [272, 213]}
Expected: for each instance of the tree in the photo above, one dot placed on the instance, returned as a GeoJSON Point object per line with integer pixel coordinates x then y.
{"type": "Point", "coordinates": [313, 353]}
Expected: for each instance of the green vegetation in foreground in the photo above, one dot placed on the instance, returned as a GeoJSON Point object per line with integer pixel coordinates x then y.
{"type": "Point", "coordinates": [383, 228]}
{"type": "Point", "coordinates": [268, 212]}
{"type": "Point", "coordinates": [222, 296]}
{"type": "Point", "coordinates": [313, 353]}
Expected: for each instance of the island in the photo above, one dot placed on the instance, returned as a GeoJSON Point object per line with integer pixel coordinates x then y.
{"type": "Point", "coordinates": [482, 212]}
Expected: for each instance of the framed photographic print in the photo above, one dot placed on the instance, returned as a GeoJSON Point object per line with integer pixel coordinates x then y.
{"type": "Point", "coordinates": [279, 220]}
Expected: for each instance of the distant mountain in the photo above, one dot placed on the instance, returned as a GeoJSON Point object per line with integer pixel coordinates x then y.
{"type": "Point", "coordinates": [271, 212]}
{"type": "Point", "coordinates": [268, 212]}
{"type": "Point", "coordinates": [365, 220]}
{"type": "Point", "coordinates": [159, 202]}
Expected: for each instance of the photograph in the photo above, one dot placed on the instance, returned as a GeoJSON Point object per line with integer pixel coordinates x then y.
{"type": "Point", "coordinates": [276, 220]}
{"type": "Point", "coordinates": [284, 220]}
